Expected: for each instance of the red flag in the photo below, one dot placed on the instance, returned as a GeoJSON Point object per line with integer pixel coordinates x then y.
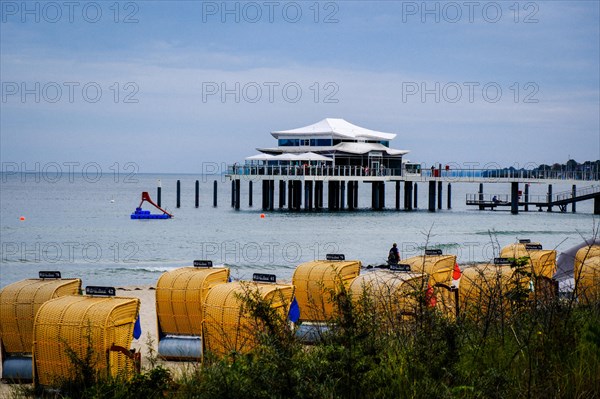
{"type": "Point", "coordinates": [456, 273]}
{"type": "Point", "coordinates": [430, 296]}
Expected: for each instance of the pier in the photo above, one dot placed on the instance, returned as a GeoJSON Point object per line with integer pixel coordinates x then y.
{"type": "Point", "coordinates": [305, 184]}
{"type": "Point", "coordinates": [548, 201]}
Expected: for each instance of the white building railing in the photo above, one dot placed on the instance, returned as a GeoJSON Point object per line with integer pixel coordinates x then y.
{"type": "Point", "coordinates": [425, 174]}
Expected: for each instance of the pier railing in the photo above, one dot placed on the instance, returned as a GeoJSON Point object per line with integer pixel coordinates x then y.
{"type": "Point", "coordinates": [500, 199]}
{"type": "Point", "coordinates": [447, 174]}
{"type": "Point", "coordinates": [310, 170]}
{"type": "Point", "coordinates": [480, 198]}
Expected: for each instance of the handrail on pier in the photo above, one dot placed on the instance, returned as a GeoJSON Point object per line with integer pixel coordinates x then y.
{"type": "Point", "coordinates": [450, 175]}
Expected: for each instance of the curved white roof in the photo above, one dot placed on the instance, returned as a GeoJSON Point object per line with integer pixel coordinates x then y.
{"type": "Point", "coordinates": [363, 148]}
{"type": "Point", "coordinates": [338, 128]}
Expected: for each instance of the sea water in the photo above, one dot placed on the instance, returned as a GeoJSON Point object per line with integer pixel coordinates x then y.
{"type": "Point", "coordinates": [81, 226]}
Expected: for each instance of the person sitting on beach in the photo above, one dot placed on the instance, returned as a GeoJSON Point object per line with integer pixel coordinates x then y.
{"type": "Point", "coordinates": [495, 200]}
{"type": "Point", "coordinates": [394, 255]}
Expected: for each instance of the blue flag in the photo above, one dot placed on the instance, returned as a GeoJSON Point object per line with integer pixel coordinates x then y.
{"type": "Point", "coordinates": [294, 313]}
{"type": "Point", "coordinates": [137, 329]}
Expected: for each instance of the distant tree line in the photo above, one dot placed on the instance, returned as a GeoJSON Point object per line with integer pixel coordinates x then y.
{"type": "Point", "coordinates": [588, 170]}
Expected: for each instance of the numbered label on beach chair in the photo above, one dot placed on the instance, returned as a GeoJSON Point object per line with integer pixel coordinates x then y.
{"type": "Point", "coordinates": [502, 261]}
{"type": "Point", "coordinates": [203, 263]}
{"type": "Point", "coordinates": [335, 257]}
{"type": "Point", "coordinates": [524, 241]}
{"type": "Point", "coordinates": [264, 278]}
{"type": "Point", "coordinates": [47, 274]}
{"type": "Point", "coordinates": [433, 252]}
{"type": "Point", "coordinates": [96, 290]}
{"type": "Point", "coordinates": [533, 247]}
{"type": "Point", "coordinates": [401, 267]}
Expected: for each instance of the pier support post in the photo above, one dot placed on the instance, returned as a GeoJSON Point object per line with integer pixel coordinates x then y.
{"type": "Point", "coordinates": [350, 195]}
{"type": "Point", "coordinates": [308, 195]}
{"type": "Point", "coordinates": [573, 194]}
{"type": "Point", "coordinates": [374, 195]}
{"type": "Point", "coordinates": [290, 195]}
{"type": "Point", "coordinates": [215, 194]}
{"type": "Point", "coordinates": [197, 193]}
{"type": "Point", "coordinates": [439, 195]}
{"type": "Point", "coordinates": [271, 194]}
{"type": "Point", "coordinates": [398, 195]}
{"type": "Point", "coordinates": [281, 194]}
{"type": "Point", "coordinates": [526, 199]}
{"type": "Point", "coordinates": [381, 195]}
{"type": "Point", "coordinates": [331, 195]}
{"type": "Point", "coordinates": [514, 197]}
{"type": "Point", "coordinates": [597, 205]}
{"type": "Point", "coordinates": [178, 193]}
{"type": "Point", "coordinates": [416, 195]}
{"type": "Point", "coordinates": [342, 194]}
{"type": "Point", "coordinates": [355, 202]}
{"type": "Point", "coordinates": [549, 197]}
{"type": "Point", "coordinates": [481, 207]}
{"type": "Point", "coordinates": [449, 196]}
{"type": "Point", "coordinates": [238, 191]}
{"type": "Point", "coordinates": [158, 193]}
{"type": "Point", "coordinates": [432, 196]}
{"type": "Point", "coordinates": [265, 195]}
{"type": "Point", "coordinates": [232, 193]}
{"type": "Point", "coordinates": [305, 195]}
{"type": "Point", "coordinates": [250, 194]}
{"type": "Point", "coordinates": [408, 200]}
{"type": "Point", "coordinates": [319, 194]}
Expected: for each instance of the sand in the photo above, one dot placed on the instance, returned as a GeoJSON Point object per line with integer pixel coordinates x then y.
{"type": "Point", "coordinates": [146, 294]}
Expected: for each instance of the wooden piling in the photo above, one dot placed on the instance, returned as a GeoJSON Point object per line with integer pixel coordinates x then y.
{"type": "Point", "coordinates": [197, 193]}
{"type": "Point", "coordinates": [281, 194]}
{"type": "Point", "coordinates": [416, 196]}
{"type": "Point", "coordinates": [408, 200]}
{"type": "Point", "coordinates": [250, 194]}
{"type": "Point", "coordinates": [439, 195]}
{"type": "Point", "coordinates": [237, 194]}
{"type": "Point", "coordinates": [178, 193]}
{"type": "Point", "coordinates": [271, 194]}
{"type": "Point", "coordinates": [514, 198]}
{"type": "Point", "coordinates": [158, 193]}
{"type": "Point", "coordinates": [215, 194]}
{"type": "Point", "coordinates": [431, 196]}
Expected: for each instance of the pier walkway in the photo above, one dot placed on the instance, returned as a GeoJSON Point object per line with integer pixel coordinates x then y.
{"type": "Point", "coordinates": [548, 201]}
{"type": "Point", "coordinates": [301, 186]}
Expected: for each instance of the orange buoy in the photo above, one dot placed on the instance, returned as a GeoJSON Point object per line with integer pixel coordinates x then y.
{"type": "Point", "coordinates": [262, 215]}
{"type": "Point", "coordinates": [22, 218]}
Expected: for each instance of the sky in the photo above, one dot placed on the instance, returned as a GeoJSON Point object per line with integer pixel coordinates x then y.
{"type": "Point", "coordinates": [182, 86]}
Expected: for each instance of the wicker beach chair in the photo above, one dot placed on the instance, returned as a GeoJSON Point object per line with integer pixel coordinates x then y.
{"type": "Point", "coordinates": [393, 294]}
{"type": "Point", "coordinates": [76, 325]}
{"type": "Point", "coordinates": [439, 269]}
{"type": "Point", "coordinates": [228, 327]}
{"type": "Point", "coordinates": [19, 303]}
{"type": "Point", "coordinates": [316, 280]}
{"type": "Point", "coordinates": [587, 275]}
{"type": "Point", "coordinates": [180, 296]}
{"type": "Point", "coordinates": [543, 262]}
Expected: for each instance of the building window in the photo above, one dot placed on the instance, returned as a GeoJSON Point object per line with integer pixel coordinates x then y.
{"type": "Point", "coordinates": [385, 143]}
{"type": "Point", "coordinates": [320, 142]}
{"type": "Point", "coordinates": [288, 142]}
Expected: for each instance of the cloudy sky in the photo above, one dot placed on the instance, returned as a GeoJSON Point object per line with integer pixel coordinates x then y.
{"type": "Point", "coordinates": [170, 85]}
